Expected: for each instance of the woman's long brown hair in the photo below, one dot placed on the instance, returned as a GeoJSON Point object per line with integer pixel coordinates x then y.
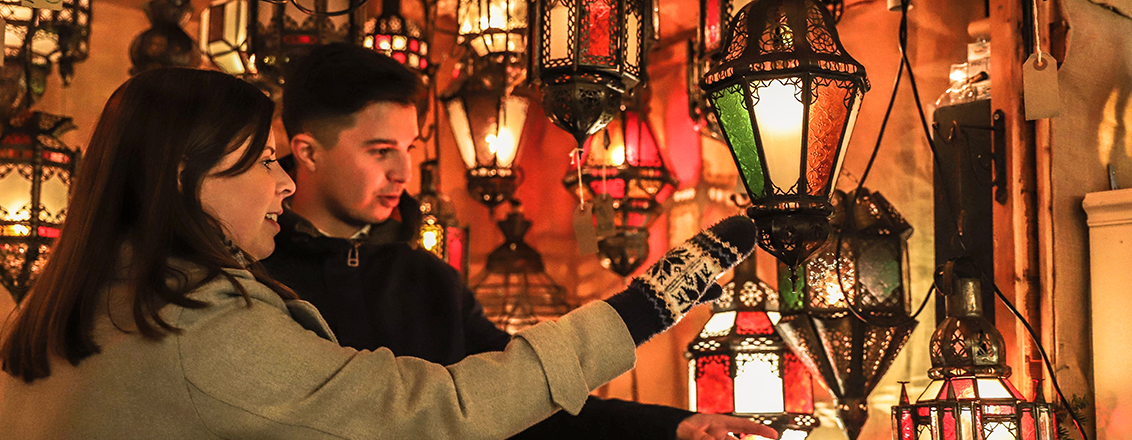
{"type": "Point", "coordinates": [138, 187]}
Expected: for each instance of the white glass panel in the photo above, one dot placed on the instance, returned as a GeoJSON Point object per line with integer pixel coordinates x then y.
{"type": "Point", "coordinates": [458, 120]}
{"type": "Point", "coordinates": [924, 432]}
{"type": "Point", "coordinates": [512, 116]}
{"type": "Point", "coordinates": [236, 23]}
{"type": "Point", "coordinates": [719, 325]}
{"type": "Point", "coordinates": [774, 317]}
{"type": "Point", "coordinates": [632, 43]}
{"type": "Point", "coordinates": [1001, 431]}
{"type": "Point", "coordinates": [559, 31]}
{"type": "Point", "coordinates": [15, 196]}
{"type": "Point", "coordinates": [966, 420]}
{"type": "Point", "coordinates": [992, 389]}
{"type": "Point", "coordinates": [778, 115]}
{"type": "Point", "coordinates": [230, 63]}
{"type": "Point", "coordinates": [931, 391]}
{"type": "Point", "coordinates": [737, 5]}
{"type": "Point", "coordinates": [845, 141]}
{"type": "Point", "coordinates": [692, 385]}
{"type": "Point", "coordinates": [791, 434]}
{"type": "Point", "coordinates": [1045, 426]}
{"type": "Point", "coordinates": [758, 385]}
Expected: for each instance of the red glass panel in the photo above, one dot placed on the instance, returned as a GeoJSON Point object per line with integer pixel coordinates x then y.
{"type": "Point", "coordinates": [414, 45]}
{"type": "Point", "coordinates": [45, 231]}
{"type": "Point", "coordinates": [636, 220]}
{"type": "Point", "coordinates": [455, 246]}
{"type": "Point", "coordinates": [923, 411]}
{"type": "Point", "coordinates": [17, 138]}
{"type": "Point", "coordinates": [753, 323]}
{"type": "Point", "coordinates": [964, 388]}
{"type": "Point", "coordinates": [599, 25]}
{"type": "Point", "coordinates": [999, 409]}
{"type": "Point", "coordinates": [712, 26]}
{"type": "Point", "coordinates": [378, 39]}
{"type": "Point", "coordinates": [614, 187]}
{"type": "Point", "coordinates": [943, 391]}
{"type": "Point", "coordinates": [907, 428]}
{"type": "Point", "coordinates": [949, 424]}
{"type": "Point", "coordinates": [399, 56]}
{"type": "Point", "coordinates": [828, 116]}
{"type": "Point", "coordinates": [641, 148]}
{"type": "Point", "coordinates": [424, 63]}
{"type": "Point", "coordinates": [799, 388]}
{"type": "Point", "coordinates": [1013, 391]}
{"type": "Point", "coordinates": [56, 157]}
{"type": "Point", "coordinates": [1027, 425]}
{"type": "Point", "coordinates": [714, 387]}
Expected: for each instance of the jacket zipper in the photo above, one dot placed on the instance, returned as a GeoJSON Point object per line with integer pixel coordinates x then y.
{"type": "Point", "coordinates": [352, 255]}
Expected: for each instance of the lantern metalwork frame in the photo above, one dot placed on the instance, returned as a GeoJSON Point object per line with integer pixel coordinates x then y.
{"type": "Point", "coordinates": [970, 397]}
{"type": "Point", "coordinates": [739, 365]}
{"type": "Point", "coordinates": [285, 31]}
{"type": "Point", "coordinates": [627, 165]}
{"type": "Point", "coordinates": [226, 35]}
{"type": "Point", "coordinates": [400, 38]}
{"type": "Point", "coordinates": [514, 288]}
{"type": "Point", "coordinates": [44, 37]}
{"type": "Point", "coordinates": [493, 27]}
{"type": "Point", "coordinates": [35, 180]}
{"type": "Point", "coordinates": [848, 316]}
{"type": "Point", "coordinates": [786, 94]}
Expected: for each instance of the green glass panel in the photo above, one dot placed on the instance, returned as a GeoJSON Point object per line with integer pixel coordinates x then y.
{"type": "Point", "coordinates": [790, 298]}
{"type": "Point", "coordinates": [736, 120]}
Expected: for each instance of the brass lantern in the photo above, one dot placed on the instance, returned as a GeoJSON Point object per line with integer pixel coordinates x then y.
{"type": "Point", "coordinates": [739, 365]}
{"type": "Point", "coordinates": [786, 94]}
{"type": "Point", "coordinates": [487, 112]}
{"type": "Point", "coordinates": [59, 36]}
{"type": "Point", "coordinates": [226, 36]}
{"type": "Point", "coordinates": [399, 38]}
{"type": "Point", "coordinates": [287, 30]}
{"type": "Point", "coordinates": [35, 181]}
{"type": "Point", "coordinates": [627, 166]}
{"type": "Point", "coordinates": [514, 288]}
{"type": "Point", "coordinates": [970, 396]}
{"type": "Point", "coordinates": [586, 54]}
{"type": "Point", "coordinates": [440, 232]}
{"type": "Point", "coordinates": [848, 316]}
{"type": "Point", "coordinates": [493, 27]}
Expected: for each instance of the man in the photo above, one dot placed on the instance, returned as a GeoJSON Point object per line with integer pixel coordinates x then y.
{"type": "Point", "coordinates": [351, 119]}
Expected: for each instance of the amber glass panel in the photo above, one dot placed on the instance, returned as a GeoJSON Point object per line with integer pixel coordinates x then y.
{"type": "Point", "coordinates": [731, 107]}
{"type": "Point", "coordinates": [827, 118]}
{"type": "Point", "coordinates": [714, 389]}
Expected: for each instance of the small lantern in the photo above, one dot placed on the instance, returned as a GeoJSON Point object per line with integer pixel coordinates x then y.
{"type": "Point", "coordinates": [514, 288]}
{"type": "Point", "coordinates": [626, 164]}
{"type": "Point", "coordinates": [493, 27]}
{"type": "Point", "coordinates": [401, 39]}
{"type": "Point", "coordinates": [35, 181]}
{"type": "Point", "coordinates": [440, 232]}
{"type": "Point", "coordinates": [61, 37]}
{"type": "Point", "coordinates": [286, 30]}
{"type": "Point", "coordinates": [225, 36]}
{"type": "Point", "coordinates": [487, 113]}
{"type": "Point", "coordinates": [849, 315]}
{"type": "Point", "coordinates": [165, 43]}
{"type": "Point", "coordinates": [786, 95]}
{"type": "Point", "coordinates": [970, 397]}
{"type": "Point", "coordinates": [587, 53]}
{"type": "Point", "coordinates": [740, 366]}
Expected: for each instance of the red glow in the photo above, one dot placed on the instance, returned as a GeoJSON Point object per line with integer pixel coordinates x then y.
{"type": "Point", "coordinates": [712, 27]}
{"type": "Point", "coordinates": [924, 411]}
{"type": "Point", "coordinates": [614, 187]}
{"type": "Point", "coordinates": [907, 428]}
{"type": "Point", "coordinates": [636, 220]}
{"type": "Point", "coordinates": [828, 116]}
{"type": "Point", "coordinates": [414, 45]}
{"type": "Point", "coordinates": [714, 388]}
{"type": "Point", "coordinates": [17, 138]}
{"type": "Point", "coordinates": [399, 56]}
{"type": "Point", "coordinates": [300, 39]}
{"type": "Point", "coordinates": [48, 232]}
{"type": "Point", "coordinates": [799, 390]}
{"type": "Point", "coordinates": [753, 323]}
{"type": "Point", "coordinates": [455, 247]}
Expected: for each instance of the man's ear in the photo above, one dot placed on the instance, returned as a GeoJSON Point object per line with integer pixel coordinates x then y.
{"type": "Point", "coordinates": [305, 148]}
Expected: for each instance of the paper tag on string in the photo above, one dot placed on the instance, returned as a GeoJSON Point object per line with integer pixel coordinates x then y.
{"type": "Point", "coordinates": [54, 5]}
{"type": "Point", "coordinates": [584, 229]}
{"type": "Point", "coordinates": [603, 215]}
{"type": "Point", "coordinates": [1039, 87]}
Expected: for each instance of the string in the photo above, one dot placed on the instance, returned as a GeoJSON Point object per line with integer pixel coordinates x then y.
{"type": "Point", "coordinates": [1037, 35]}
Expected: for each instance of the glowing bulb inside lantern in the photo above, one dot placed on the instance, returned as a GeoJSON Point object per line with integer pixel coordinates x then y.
{"type": "Point", "coordinates": [429, 240]}
{"type": "Point", "coordinates": [617, 155]}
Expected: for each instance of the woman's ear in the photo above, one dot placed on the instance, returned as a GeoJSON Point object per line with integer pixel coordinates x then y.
{"type": "Point", "coordinates": [180, 171]}
{"type": "Point", "coordinates": [305, 149]}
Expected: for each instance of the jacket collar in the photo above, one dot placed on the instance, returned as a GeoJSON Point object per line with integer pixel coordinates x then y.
{"type": "Point", "coordinates": [403, 230]}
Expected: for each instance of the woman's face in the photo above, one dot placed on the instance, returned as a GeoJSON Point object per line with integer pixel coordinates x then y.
{"type": "Point", "coordinates": [247, 205]}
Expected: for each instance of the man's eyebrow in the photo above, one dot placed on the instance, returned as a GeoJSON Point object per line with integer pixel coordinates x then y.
{"type": "Point", "coordinates": [379, 142]}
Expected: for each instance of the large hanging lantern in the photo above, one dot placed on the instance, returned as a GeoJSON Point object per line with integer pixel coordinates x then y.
{"type": "Point", "coordinates": [970, 397]}
{"type": "Point", "coordinates": [848, 315]}
{"type": "Point", "coordinates": [739, 365]}
{"type": "Point", "coordinates": [400, 38]}
{"type": "Point", "coordinates": [786, 94]}
{"type": "Point", "coordinates": [627, 166]}
{"type": "Point", "coordinates": [287, 30]}
{"type": "Point", "coordinates": [705, 52]}
{"type": "Point", "coordinates": [226, 36]}
{"type": "Point", "coordinates": [487, 112]}
{"type": "Point", "coordinates": [514, 288]}
{"type": "Point", "coordinates": [60, 37]}
{"type": "Point", "coordinates": [440, 232]}
{"type": "Point", "coordinates": [35, 181]}
{"type": "Point", "coordinates": [492, 27]}
{"type": "Point", "coordinates": [587, 53]}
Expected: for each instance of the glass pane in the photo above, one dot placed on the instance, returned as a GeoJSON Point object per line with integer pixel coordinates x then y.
{"type": "Point", "coordinates": [998, 409]}
{"type": "Point", "coordinates": [599, 35]}
{"type": "Point", "coordinates": [719, 325]}
{"type": "Point", "coordinates": [712, 28]}
{"type": "Point", "coordinates": [512, 116]}
{"type": "Point", "coordinates": [964, 388]}
{"type": "Point", "coordinates": [1046, 424]}
{"type": "Point", "coordinates": [778, 118]}
{"type": "Point", "coordinates": [458, 120]}
{"type": "Point", "coordinates": [1028, 425]}
{"type": "Point", "coordinates": [731, 107]}
{"type": "Point", "coordinates": [559, 35]}
{"type": "Point", "coordinates": [966, 432]}
{"type": "Point", "coordinates": [949, 424]}
{"type": "Point", "coordinates": [931, 392]}
{"type": "Point", "coordinates": [999, 431]}
{"type": "Point", "coordinates": [758, 385]}
{"type": "Point", "coordinates": [53, 195]}
{"type": "Point", "coordinates": [692, 386]}
{"type": "Point", "coordinates": [827, 118]}
{"type": "Point", "coordinates": [15, 193]}
{"type": "Point", "coordinates": [753, 323]}
{"type": "Point", "coordinates": [713, 385]}
{"type": "Point", "coordinates": [992, 389]}
{"type": "Point", "coordinates": [614, 187]}
{"type": "Point", "coordinates": [855, 108]}
{"type": "Point", "coordinates": [799, 390]}
{"type": "Point", "coordinates": [632, 40]}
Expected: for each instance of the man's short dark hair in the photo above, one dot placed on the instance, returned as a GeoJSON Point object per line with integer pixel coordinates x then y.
{"type": "Point", "coordinates": [331, 83]}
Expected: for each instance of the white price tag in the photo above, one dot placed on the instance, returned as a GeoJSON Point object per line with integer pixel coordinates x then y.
{"type": "Point", "coordinates": [1039, 87]}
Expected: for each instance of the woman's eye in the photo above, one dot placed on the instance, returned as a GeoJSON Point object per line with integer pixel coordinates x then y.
{"type": "Point", "coordinates": [267, 163]}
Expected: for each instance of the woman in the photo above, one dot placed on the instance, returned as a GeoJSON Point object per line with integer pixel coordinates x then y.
{"type": "Point", "coordinates": [153, 319]}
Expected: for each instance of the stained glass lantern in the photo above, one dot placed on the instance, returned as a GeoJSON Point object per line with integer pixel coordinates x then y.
{"type": "Point", "coordinates": [786, 94]}
{"type": "Point", "coordinates": [514, 288]}
{"type": "Point", "coordinates": [287, 30]}
{"type": "Point", "coordinates": [35, 181]}
{"type": "Point", "coordinates": [225, 36]}
{"type": "Point", "coordinates": [59, 36]}
{"type": "Point", "coordinates": [849, 314]}
{"type": "Point", "coordinates": [493, 27]}
{"type": "Point", "coordinates": [440, 232]}
{"type": "Point", "coordinates": [626, 164]}
{"type": "Point", "coordinates": [970, 397]}
{"type": "Point", "coordinates": [586, 54]}
{"type": "Point", "coordinates": [487, 112]}
{"type": "Point", "coordinates": [703, 53]}
{"type": "Point", "coordinates": [402, 39]}
{"type": "Point", "coordinates": [739, 365]}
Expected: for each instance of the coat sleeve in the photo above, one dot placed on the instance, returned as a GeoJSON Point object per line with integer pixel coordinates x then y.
{"type": "Point", "coordinates": [253, 372]}
{"type": "Point", "coordinates": [480, 334]}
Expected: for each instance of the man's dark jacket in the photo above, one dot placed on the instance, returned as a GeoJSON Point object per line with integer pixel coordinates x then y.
{"type": "Point", "coordinates": [413, 303]}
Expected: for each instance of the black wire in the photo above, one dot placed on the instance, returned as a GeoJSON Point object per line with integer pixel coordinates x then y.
{"type": "Point", "coordinates": [354, 6]}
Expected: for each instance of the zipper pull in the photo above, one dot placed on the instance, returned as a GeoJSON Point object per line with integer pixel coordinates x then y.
{"type": "Point", "coordinates": [352, 256]}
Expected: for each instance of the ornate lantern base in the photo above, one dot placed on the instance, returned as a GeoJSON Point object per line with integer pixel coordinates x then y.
{"type": "Point", "coordinates": [624, 252]}
{"type": "Point", "coordinates": [792, 231]}
{"type": "Point", "coordinates": [581, 104]}
{"type": "Point", "coordinates": [491, 186]}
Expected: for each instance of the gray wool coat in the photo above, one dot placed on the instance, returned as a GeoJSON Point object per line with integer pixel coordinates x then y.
{"type": "Point", "coordinates": [273, 370]}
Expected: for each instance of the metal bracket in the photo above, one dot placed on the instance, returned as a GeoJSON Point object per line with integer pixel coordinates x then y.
{"type": "Point", "coordinates": [998, 156]}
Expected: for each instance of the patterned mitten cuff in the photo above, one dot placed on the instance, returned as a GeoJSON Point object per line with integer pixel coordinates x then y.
{"type": "Point", "coordinates": [658, 298]}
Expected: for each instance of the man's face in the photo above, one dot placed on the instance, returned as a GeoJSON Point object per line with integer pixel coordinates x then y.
{"type": "Point", "coordinates": [363, 175]}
